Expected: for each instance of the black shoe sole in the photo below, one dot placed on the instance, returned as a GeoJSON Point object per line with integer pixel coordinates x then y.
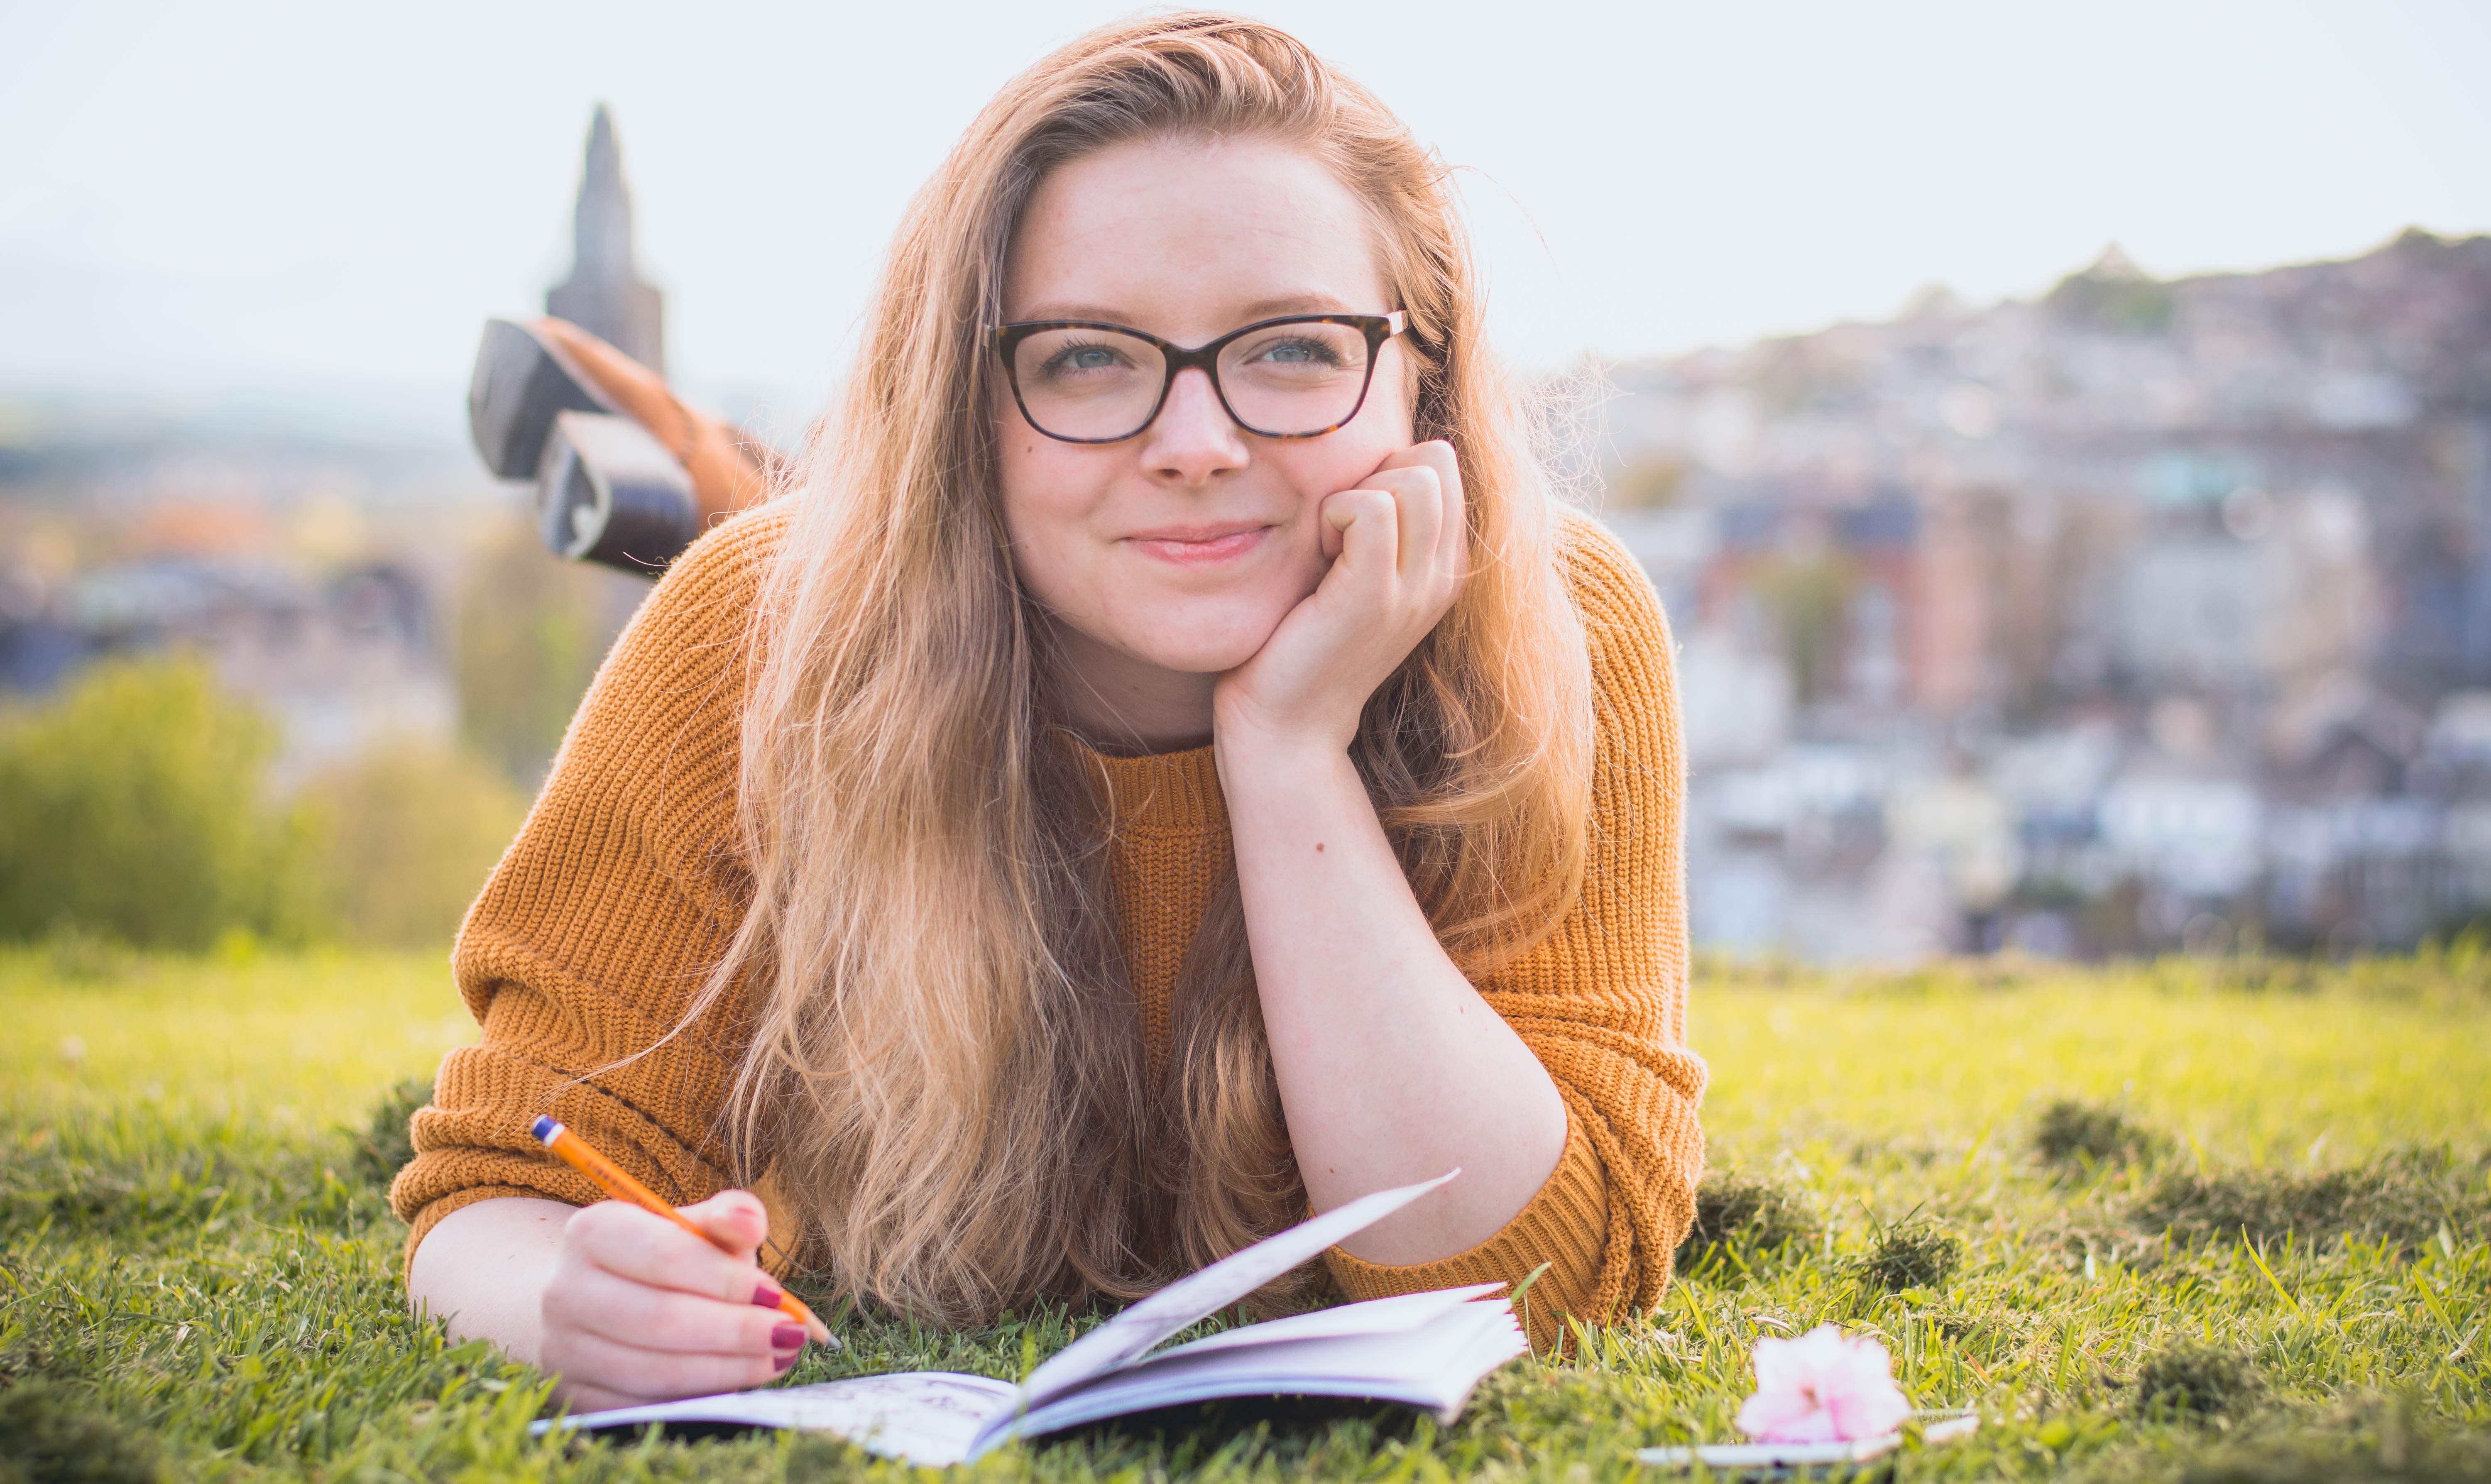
{"type": "Point", "coordinates": [610, 493]}
{"type": "Point", "coordinates": [522, 381]}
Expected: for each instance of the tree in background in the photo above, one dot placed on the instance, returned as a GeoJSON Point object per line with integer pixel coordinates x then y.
{"type": "Point", "coordinates": [134, 807]}
{"type": "Point", "coordinates": [2115, 295]}
{"type": "Point", "coordinates": [531, 635]}
{"type": "Point", "coordinates": [404, 838]}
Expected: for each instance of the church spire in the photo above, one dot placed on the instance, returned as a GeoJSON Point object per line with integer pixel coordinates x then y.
{"type": "Point", "coordinates": [603, 294]}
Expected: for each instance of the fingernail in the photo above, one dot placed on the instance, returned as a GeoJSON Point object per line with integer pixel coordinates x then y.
{"type": "Point", "coordinates": [787, 1337]}
{"type": "Point", "coordinates": [766, 1296]}
{"type": "Point", "coordinates": [784, 1362]}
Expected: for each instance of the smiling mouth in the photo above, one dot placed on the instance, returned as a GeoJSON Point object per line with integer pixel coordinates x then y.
{"type": "Point", "coordinates": [1208, 547]}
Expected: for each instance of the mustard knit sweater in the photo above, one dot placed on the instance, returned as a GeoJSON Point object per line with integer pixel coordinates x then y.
{"type": "Point", "coordinates": [594, 932]}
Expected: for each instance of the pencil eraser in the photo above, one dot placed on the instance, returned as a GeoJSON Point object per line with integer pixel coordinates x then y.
{"type": "Point", "coordinates": [544, 1128]}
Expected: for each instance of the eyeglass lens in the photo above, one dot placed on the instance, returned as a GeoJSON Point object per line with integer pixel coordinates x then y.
{"type": "Point", "coordinates": [1286, 380]}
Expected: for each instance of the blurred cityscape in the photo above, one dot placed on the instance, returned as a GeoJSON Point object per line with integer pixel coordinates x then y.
{"type": "Point", "coordinates": [2143, 615]}
{"type": "Point", "coordinates": [407, 654]}
{"type": "Point", "coordinates": [362, 592]}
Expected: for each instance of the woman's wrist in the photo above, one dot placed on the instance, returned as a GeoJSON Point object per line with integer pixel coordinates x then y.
{"type": "Point", "coordinates": [1252, 734]}
{"type": "Point", "coordinates": [1249, 756]}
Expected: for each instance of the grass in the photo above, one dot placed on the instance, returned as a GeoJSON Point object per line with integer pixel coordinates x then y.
{"type": "Point", "coordinates": [2176, 1221]}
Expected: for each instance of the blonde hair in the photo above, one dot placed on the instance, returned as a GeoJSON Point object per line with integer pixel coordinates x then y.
{"type": "Point", "coordinates": [946, 1068]}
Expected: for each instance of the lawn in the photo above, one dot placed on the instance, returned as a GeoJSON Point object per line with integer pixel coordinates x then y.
{"type": "Point", "coordinates": [2222, 1220]}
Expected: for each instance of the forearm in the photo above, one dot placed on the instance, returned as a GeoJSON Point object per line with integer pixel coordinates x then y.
{"type": "Point", "coordinates": [1392, 1068]}
{"type": "Point", "coordinates": [482, 1272]}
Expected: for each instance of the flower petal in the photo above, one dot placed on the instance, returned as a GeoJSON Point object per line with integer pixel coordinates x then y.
{"type": "Point", "coordinates": [1866, 1412]}
{"type": "Point", "coordinates": [1780, 1365]}
{"type": "Point", "coordinates": [1768, 1411]}
{"type": "Point", "coordinates": [1813, 1425]}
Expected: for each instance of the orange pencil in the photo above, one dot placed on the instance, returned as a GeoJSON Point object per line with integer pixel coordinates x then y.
{"type": "Point", "coordinates": [575, 1152]}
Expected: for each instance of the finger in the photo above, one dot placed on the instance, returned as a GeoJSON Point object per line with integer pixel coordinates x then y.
{"type": "Point", "coordinates": [590, 1360]}
{"type": "Point", "coordinates": [1448, 544]}
{"type": "Point", "coordinates": [1420, 497]}
{"type": "Point", "coordinates": [592, 1300]}
{"type": "Point", "coordinates": [1342, 509]}
{"type": "Point", "coordinates": [1363, 529]}
{"type": "Point", "coordinates": [1435, 454]}
{"type": "Point", "coordinates": [735, 1219]}
{"type": "Point", "coordinates": [633, 1243]}
{"type": "Point", "coordinates": [739, 1219]}
{"type": "Point", "coordinates": [1416, 503]}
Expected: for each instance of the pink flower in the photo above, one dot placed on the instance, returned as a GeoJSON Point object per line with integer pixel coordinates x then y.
{"type": "Point", "coordinates": [1822, 1387]}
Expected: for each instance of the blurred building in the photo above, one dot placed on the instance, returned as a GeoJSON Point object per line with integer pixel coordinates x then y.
{"type": "Point", "coordinates": [2157, 612]}
{"type": "Point", "coordinates": [330, 577]}
{"type": "Point", "coordinates": [342, 661]}
{"type": "Point", "coordinates": [309, 604]}
{"type": "Point", "coordinates": [603, 294]}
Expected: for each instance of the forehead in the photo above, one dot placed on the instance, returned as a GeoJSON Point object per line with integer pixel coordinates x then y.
{"type": "Point", "coordinates": [1189, 238]}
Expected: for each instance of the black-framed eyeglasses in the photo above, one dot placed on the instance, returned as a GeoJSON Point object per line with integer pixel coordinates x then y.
{"type": "Point", "coordinates": [1299, 376]}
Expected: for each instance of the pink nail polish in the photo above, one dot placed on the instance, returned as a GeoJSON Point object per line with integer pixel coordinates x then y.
{"type": "Point", "coordinates": [766, 1296]}
{"type": "Point", "coordinates": [787, 1337]}
{"type": "Point", "coordinates": [783, 1362]}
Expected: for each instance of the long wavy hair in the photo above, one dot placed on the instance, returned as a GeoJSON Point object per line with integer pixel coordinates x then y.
{"type": "Point", "coordinates": [945, 1072]}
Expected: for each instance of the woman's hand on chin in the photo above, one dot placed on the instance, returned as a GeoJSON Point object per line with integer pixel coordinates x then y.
{"type": "Point", "coordinates": [1400, 549]}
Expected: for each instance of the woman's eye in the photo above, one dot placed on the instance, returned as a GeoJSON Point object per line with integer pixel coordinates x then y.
{"type": "Point", "coordinates": [1298, 352]}
{"type": "Point", "coordinates": [1083, 358]}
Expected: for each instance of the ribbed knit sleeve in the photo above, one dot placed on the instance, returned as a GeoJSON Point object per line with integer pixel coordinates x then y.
{"type": "Point", "coordinates": [594, 934]}
{"type": "Point", "coordinates": [1602, 1001]}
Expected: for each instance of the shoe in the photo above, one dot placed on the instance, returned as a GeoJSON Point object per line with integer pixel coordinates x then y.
{"type": "Point", "coordinates": [730, 471]}
{"type": "Point", "coordinates": [608, 492]}
{"type": "Point", "coordinates": [530, 377]}
{"type": "Point", "coordinates": [522, 380]}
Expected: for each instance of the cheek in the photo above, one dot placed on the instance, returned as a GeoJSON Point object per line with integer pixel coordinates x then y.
{"type": "Point", "coordinates": [1383, 425]}
{"type": "Point", "coordinates": [1017, 485]}
{"type": "Point", "coordinates": [1044, 504]}
{"type": "Point", "coordinates": [1343, 459]}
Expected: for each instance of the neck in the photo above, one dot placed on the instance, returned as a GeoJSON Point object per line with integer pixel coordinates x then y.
{"type": "Point", "coordinates": [1128, 706]}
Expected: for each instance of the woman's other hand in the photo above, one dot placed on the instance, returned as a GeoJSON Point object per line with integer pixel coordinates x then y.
{"type": "Point", "coordinates": [1400, 549]}
{"type": "Point", "coordinates": [637, 1309]}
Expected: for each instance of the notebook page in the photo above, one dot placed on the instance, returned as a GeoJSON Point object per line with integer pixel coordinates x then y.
{"type": "Point", "coordinates": [1433, 1367]}
{"type": "Point", "coordinates": [1224, 1282]}
{"type": "Point", "coordinates": [1376, 1316]}
{"type": "Point", "coordinates": [928, 1418]}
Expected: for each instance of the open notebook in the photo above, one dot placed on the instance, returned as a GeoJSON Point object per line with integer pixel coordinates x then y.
{"type": "Point", "coordinates": [1422, 1349]}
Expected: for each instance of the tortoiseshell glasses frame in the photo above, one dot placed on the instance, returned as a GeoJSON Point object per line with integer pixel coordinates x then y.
{"type": "Point", "coordinates": [1375, 328]}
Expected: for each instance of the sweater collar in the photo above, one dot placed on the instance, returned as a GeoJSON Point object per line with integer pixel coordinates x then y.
{"type": "Point", "coordinates": [1177, 791]}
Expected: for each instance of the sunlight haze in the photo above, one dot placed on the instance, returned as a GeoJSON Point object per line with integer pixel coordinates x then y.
{"type": "Point", "coordinates": [295, 202]}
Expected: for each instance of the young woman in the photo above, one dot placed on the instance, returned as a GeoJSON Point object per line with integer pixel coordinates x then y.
{"type": "Point", "coordinates": [1165, 766]}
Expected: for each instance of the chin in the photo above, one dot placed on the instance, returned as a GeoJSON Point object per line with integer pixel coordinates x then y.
{"type": "Point", "coordinates": [1215, 658]}
{"type": "Point", "coordinates": [1208, 644]}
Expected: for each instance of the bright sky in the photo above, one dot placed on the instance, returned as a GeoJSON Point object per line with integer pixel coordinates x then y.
{"type": "Point", "coordinates": [316, 204]}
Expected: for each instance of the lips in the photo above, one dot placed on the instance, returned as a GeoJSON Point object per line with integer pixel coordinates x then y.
{"type": "Point", "coordinates": [1199, 545]}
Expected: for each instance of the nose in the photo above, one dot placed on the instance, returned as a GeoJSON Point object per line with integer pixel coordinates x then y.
{"type": "Point", "coordinates": [1193, 440]}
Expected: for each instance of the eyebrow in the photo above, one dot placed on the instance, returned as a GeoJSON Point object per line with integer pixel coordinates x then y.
{"type": "Point", "coordinates": [1260, 309]}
